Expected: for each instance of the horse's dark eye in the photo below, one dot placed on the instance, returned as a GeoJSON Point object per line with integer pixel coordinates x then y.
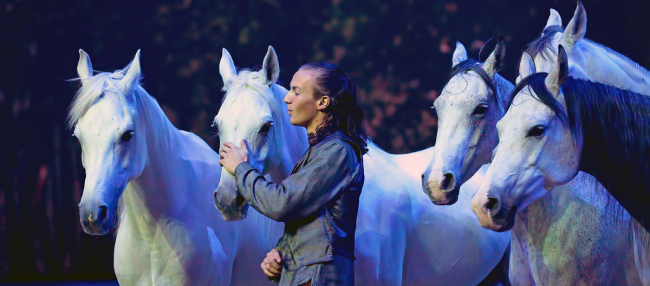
{"type": "Point", "coordinates": [433, 108]}
{"type": "Point", "coordinates": [536, 131]}
{"type": "Point", "coordinates": [266, 128]}
{"type": "Point", "coordinates": [126, 137]}
{"type": "Point", "coordinates": [480, 109]}
{"type": "Point", "coordinates": [215, 127]}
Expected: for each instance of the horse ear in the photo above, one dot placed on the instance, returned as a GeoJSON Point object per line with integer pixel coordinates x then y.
{"type": "Point", "coordinates": [495, 61]}
{"type": "Point", "coordinates": [227, 66]}
{"type": "Point", "coordinates": [576, 28]}
{"type": "Point", "coordinates": [526, 66]}
{"type": "Point", "coordinates": [558, 73]}
{"type": "Point", "coordinates": [84, 67]}
{"type": "Point", "coordinates": [132, 75]}
{"type": "Point", "coordinates": [271, 68]}
{"type": "Point", "coordinates": [460, 54]}
{"type": "Point", "coordinates": [554, 19]}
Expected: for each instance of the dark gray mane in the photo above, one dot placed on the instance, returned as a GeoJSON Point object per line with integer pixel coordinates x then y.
{"type": "Point", "coordinates": [542, 44]}
{"type": "Point", "coordinates": [473, 65]}
{"type": "Point", "coordinates": [615, 127]}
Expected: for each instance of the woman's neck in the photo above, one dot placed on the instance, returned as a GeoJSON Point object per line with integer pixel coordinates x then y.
{"type": "Point", "coordinates": [316, 122]}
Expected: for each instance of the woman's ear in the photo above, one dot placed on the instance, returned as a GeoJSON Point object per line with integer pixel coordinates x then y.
{"type": "Point", "coordinates": [323, 103]}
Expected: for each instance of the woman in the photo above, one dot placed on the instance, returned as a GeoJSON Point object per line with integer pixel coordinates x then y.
{"type": "Point", "coordinates": [320, 199]}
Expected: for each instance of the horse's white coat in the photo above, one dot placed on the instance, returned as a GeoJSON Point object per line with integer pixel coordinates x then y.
{"type": "Point", "coordinates": [170, 233]}
{"type": "Point", "coordinates": [467, 115]}
{"type": "Point", "coordinates": [598, 234]}
{"type": "Point", "coordinates": [541, 254]}
{"type": "Point", "coordinates": [589, 60]}
{"type": "Point", "coordinates": [400, 237]}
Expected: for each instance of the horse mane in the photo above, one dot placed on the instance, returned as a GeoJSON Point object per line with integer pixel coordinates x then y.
{"type": "Point", "coordinates": [543, 45]}
{"type": "Point", "coordinates": [499, 84]}
{"type": "Point", "coordinates": [615, 127]}
{"type": "Point", "coordinates": [93, 89]}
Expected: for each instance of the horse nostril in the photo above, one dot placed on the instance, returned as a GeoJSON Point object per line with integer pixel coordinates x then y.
{"type": "Point", "coordinates": [493, 205]}
{"type": "Point", "coordinates": [492, 202]}
{"type": "Point", "coordinates": [448, 182]}
{"type": "Point", "coordinates": [103, 213]}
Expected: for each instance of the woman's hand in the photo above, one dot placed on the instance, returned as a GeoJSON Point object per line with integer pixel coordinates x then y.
{"type": "Point", "coordinates": [272, 264]}
{"type": "Point", "coordinates": [231, 156]}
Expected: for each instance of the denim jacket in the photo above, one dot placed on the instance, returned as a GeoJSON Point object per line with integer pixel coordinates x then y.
{"type": "Point", "coordinates": [318, 202]}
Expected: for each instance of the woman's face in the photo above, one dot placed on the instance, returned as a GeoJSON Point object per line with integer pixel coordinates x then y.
{"type": "Point", "coordinates": [301, 102]}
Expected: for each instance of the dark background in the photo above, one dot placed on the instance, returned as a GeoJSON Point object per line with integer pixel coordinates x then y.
{"type": "Point", "coordinates": [398, 52]}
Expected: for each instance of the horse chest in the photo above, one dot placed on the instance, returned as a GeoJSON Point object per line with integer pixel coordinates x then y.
{"type": "Point", "coordinates": [162, 253]}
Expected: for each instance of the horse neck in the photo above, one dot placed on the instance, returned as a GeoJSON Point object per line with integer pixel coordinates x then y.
{"type": "Point", "coordinates": [604, 65]}
{"type": "Point", "coordinates": [154, 190]}
{"type": "Point", "coordinates": [615, 144]}
{"type": "Point", "coordinates": [295, 141]}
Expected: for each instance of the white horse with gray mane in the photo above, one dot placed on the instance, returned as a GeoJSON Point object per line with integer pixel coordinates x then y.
{"type": "Point", "coordinates": [588, 60]}
{"type": "Point", "coordinates": [169, 231]}
{"type": "Point", "coordinates": [594, 62]}
{"type": "Point", "coordinates": [468, 109]}
{"type": "Point", "coordinates": [400, 238]}
{"type": "Point", "coordinates": [559, 125]}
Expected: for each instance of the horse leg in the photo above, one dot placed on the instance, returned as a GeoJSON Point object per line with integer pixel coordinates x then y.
{"type": "Point", "coordinates": [379, 259]}
{"type": "Point", "coordinates": [380, 246]}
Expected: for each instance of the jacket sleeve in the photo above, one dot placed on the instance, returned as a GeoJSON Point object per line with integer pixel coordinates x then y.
{"type": "Point", "coordinates": [327, 173]}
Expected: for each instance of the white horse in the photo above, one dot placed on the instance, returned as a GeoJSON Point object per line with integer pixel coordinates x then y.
{"type": "Point", "coordinates": [470, 104]}
{"type": "Point", "coordinates": [588, 60]}
{"type": "Point", "coordinates": [468, 110]}
{"type": "Point", "coordinates": [169, 231]}
{"type": "Point", "coordinates": [553, 131]}
{"type": "Point", "coordinates": [400, 238]}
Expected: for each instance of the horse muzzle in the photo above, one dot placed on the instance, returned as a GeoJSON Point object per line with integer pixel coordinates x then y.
{"type": "Point", "coordinates": [96, 219]}
{"type": "Point", "coordinates": [232, 206]}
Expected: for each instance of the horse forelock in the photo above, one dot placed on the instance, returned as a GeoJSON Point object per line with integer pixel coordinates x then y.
{"type": "Point", "coordinates": [493, 85]}
{"type": "Point", "coordinates": [93, 89]}
{"type": "Point", "coordinates": [248, 80]}
{"type": "Point", "coordinates": [544, 44]}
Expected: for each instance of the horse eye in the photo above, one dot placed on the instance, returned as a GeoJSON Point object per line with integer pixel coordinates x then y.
{"type": "Point", "coordinates": [435, 112]}
{"type": "Point", "coordinates": [536, 131]}
{"type": "Point", "coordinates": [215, 127]}
{"type": "Point", "coordinates": [126, 137]}
{"type": "Point", "coordinates": [266, 128]}
{"type": "Point", "coordinates": [480, 109]}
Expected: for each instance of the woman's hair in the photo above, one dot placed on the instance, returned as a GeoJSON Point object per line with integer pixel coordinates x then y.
{"type": "Point", "coordinates": [342, 113]}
